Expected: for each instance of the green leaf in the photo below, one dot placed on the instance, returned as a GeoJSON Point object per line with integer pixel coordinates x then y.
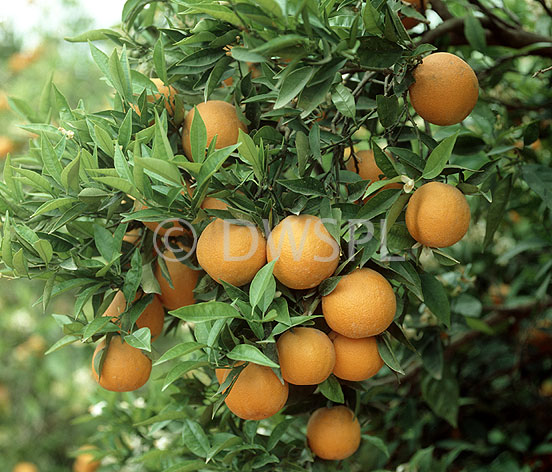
{"type": "Point", "coordinates": [213, 82]}
{"type": "Point", "coordinates": [377, 443]}
{"type": "Point", "coordinates": [140, 339]}
{"type": "Point", "coordinates": [125, 131]}
{"type": "Point", "coordinates": [159, 60]}
{"type": "Point", "coordinates": [474, 32]}
{"type": "Point", "coordinates": [53, 205]}
{"type": "Point", "coordinates": [331, 389]}
{"type": "Point", "coordinates": [181, 369]}
{"type": "Point", "coordinates": [303, 152]}
{"type": "Point", "coordinates": [378, 53]}
{"type": "Point", "coordinates": [198, 137]}
{"type": "Point", "coordinates": [467, 305]}
{"type": "Point", "coordinates": [180, 350]}
{"type": "Point", "coordinates": [389, 110]}
{"type": "Point", "coordinates": [442, 396]}
{"type": "Point", "coordinates": [70, 175]}
{"type": "Point", "coordinates": [93, 35]}
{"type": "Point", "coordinates": [371, 19]}
{"type": "Point", "coordinates": [165, 170]}
{"type": "Point", "coordinates": [344, 100]}
{"type": "Point", "coordinates": [439, 157]}
{"type": "Point", "coordinates": [501, 196]}
{"type": "Point", "coordinates": [195, 438]}
{"type": "Point", "coordinates": [435, 298]}
{"type": "Point", "coordinates": [44, 249]}
{"type": "Point", "coordinates": [103, 140]}
{"type": "Point", "coordinates": [50, 159]}
{"type": "Point", "coordinates": [65, 341]}
{"type": "Point", "coordinates": [263, 287]}
{"type": "Point", "coordinates": [95, 326]}
{"type": "Point", "coordinates": [387, 354]}
{"type": "Point", "coordinates": [306, 186]}
{"type": "Point", "coordinates": [292, 85]}
{"type": "Point", "coordinates": [249, 353]}
{"type": "Point", "coordinates": [278, 432]}
{"type": "Point", "coordinates": [206, 311]}
{"type": "Point", "coordinates": [539, 179]}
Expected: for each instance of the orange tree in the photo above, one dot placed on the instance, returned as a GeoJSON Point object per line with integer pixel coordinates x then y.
{"type": "Point", "coordinates": [231, 189]}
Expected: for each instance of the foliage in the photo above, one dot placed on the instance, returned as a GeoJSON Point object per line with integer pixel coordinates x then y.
{"type": "Point", "coordinates": [312, 79]}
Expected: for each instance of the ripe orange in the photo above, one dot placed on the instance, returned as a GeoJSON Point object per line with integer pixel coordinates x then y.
{"type": "Point", "coordinates": [220, 119]}
{"type": "Point", "coordinates": [132, 236]}
{"type": "Point", "coordinates": [362, 304]}
{"type": "Point", "coordinates": [364, 164]}
{"type": "Point", "coordinates": [85, 462]}
{"type": "Point", "coordinates": [437, 215]}
{"type": "Point", "coordinates": [307, 254]}
{"type": "Point", "coordinates": [408, 22]}
{"type": "Point", "coordinates": [168, 92]}
{"type": "Point", "coordinates": [184, 280]}
{"type": "Point", "coordinates": [152, 317]}
{"type": "Point", "coordinates": [256, 394]}
{"type": "Point", "coordinates": [231, 252]}
{"type": "Point", "coordinates": [355, 359]}
{"type": "Point", "coordinates": [306, 355]}
{"type": "Point", "coordinates": [446, 89]}
{"type": "Point", "coordinates": [25, 467]}
{"type": "Point", "coordinates": [7, 146]}
{"type": "Point", "coordinates": [333, 433]}
{"type": "Point", "coordinates": [211, 203]}
{"type": "Point", "coordinates": [125, 368]}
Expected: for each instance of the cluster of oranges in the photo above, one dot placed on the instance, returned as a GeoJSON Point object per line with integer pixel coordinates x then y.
{"type": "Point", "coordinates": [362, 304]}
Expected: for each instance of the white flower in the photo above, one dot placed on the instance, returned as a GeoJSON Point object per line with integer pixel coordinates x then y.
{"type": "Point", "coordinates": [96, 410]}
{"type": "Point", "coordinates": [139, 403]}
{"type": "Point", "coordinates": [408, 183]}
{"type": "Point", "coordinates": [162, 443]}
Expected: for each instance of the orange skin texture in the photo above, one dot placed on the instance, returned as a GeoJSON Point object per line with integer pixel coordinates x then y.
{"type": "Point", "coordinates": [355, 359]}
{"type": "Point", "coordinates": [307, 254]}
{"type": "Point", "coordinates": [256, 394]}
{"type": "Point", "coordinates": [306, 355]}
{"type": "Point", "coordinates": [25, 467]}
{"type": "Point", "coordinates": [221, 242]}
{"type": "Point", "coordinates": [125, 368]}
{"type": "Point", "coordinates": [446, 89]}
{"type": "Point", "coordinates": [333, 433]}
{"type": "Point", "coordinates": [85, 462]}
{"type": "Point", "coordinates": [362, 304]}
{"type": "Point", "coordinates": [438, 215]}
{"type": "Point", "coordinates": [153, 316]}
{"type": "Point", "coordinates": [220, 119]}
{"type": "Point", "coordinates": [407, 22]}
{"type": "Point", "coordinates": [184, 280]}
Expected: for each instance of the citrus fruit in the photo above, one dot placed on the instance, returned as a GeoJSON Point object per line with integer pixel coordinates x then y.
{"type": "Point", "coordinates": [6, 146]}
{"type": "Point", "coordinates": [437, 215]}
{"type": "Point", "coordinates": [306, 355]}
{"type": "Point", "coordinates": [362, 304]}
{"type": "Point", "coordinates": [85, 462]}
{"type": "Point", "coordinates": [184, 280]}
{"type": "Point", "coordinates": [446, 89]}
{"type": "Point", "coordinates": [230, 252]}
{"type": "Point", "coordinates": [256, 394]}
{"type": "Point", "coordinates": [364, 164]}
{"type": "Point", "coordinates": [333, 433]}
{"type": "Point", "coordinates": [25, 467]}
{"type": "Point", "coordinates": [307, 254]}
{"type": "Point", "coordinates": [125, 368]}
{"type": "Point", "coordinates": [220, 120]}
{"type": "Point", "coordinates": [355, 359]}
{"type": "Point", "coordinates": [152, 317]}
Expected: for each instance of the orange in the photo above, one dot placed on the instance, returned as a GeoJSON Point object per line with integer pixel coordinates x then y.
{"type": "Point", "coordinates": [364, 164]}
{"type": "Point", "coordinates": [220, 120]}
{"type": "Point", "coordinates": [438, 215]}
{"type": "Point", "coordinates": [25, 467]}
{"type": "Point", "coordinates": [355, 359]}
{"type": "Point", "coordinates": [211, 203]}
{"type": "Point", "coordinates": [132, 236]}
{"type": "Point", "coordinates": [408, 22]}
{"type": "Point", "coordinates": [230, 252]}
{"type": "Point", "coordinates": [152, 317]}
{"type": "Point", "coordinates": [125, 368]}
{"type": "Point", "coordinates": [362, 304]}
{"type": "Point", "coordinates": [306, 355]}
{"type": "Point", "coordinates": [6, 146]}
{"type": "Point", "coordinates": [168, 92]}
{"type": "Point", "coordinates": [85, 462]}
{"type": "Point", "coordinates": [333, 433]}
{"type": "Point", "coordinates": [307, 254]}
{"type": "Point", "coordinates": [446, 89]}
{"type": "Point", "coordinates": [4, 104]}
{"type": "Point", "coordinates": [184, 280]}
{"type": "Point", "coordinates": [256, 394]}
